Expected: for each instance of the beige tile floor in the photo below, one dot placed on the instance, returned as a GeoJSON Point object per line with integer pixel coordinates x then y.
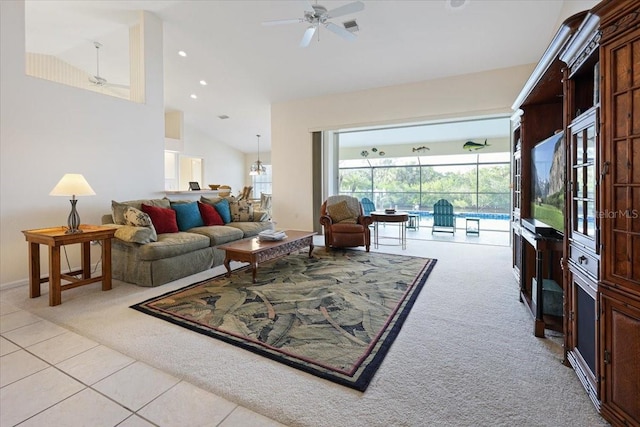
{"type": "Point", "coordinates": [55, 377]}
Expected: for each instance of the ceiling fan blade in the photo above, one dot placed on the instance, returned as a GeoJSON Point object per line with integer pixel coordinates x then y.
{"type": "Point", "coordinates": [356, 6]}
{"type": "Point", "coordinates": [308, 6]}
{"type": "Point", "coordinates": [308, 35]}
{"type": "Point", "coordinates": [336, 29]}
{"type": "Point", "coordinates": [283, 21]}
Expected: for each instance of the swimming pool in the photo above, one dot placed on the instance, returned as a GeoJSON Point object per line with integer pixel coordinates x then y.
{"type": "Point", "coordinates": [481, 215]}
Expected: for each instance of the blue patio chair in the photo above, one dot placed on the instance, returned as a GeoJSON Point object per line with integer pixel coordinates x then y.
{"type": "Point", "coordinates": [443, 218]}
{"type": "Point", "coordinates": [367, 206]}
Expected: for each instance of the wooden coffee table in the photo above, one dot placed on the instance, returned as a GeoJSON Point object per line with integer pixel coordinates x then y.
{"type": "Point", "coordinates": [255, 251]}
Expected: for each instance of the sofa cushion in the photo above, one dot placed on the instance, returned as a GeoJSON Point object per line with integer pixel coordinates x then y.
{"type": "Point", "coordinates": [163, 219]}
{"type": "Point", "coordinates": [118, 208]}
{"type": "Point", "coordinates": [224, 210]}
{"type": "Point", "coordinates": [251, 229]}
{"type": "Point", "coordinates": [173, 244]}
{"type": "Point", "coordinates": [210, 215]}
{"type": "Point", "coordinates": [219, 234]}
{"type": "Point", "coordinates": [187, 215]}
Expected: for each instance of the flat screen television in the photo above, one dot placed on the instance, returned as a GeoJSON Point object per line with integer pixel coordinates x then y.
{"type": "Point", "coordinates": [548, 182]}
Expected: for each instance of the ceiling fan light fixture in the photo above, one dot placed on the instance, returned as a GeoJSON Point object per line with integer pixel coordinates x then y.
{"type": "Point", "coordinates": [316, 14]}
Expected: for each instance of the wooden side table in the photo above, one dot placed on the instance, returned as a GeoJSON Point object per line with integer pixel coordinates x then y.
{"type": "Point", "coordinates": [55, 238]}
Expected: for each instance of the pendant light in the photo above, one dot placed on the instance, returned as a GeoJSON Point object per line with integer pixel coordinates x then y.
{"type": "Point", "coordinates": [257, 168]}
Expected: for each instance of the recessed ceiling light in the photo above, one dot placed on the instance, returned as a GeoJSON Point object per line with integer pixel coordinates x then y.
{"type": "Point", "coordinates": [203, 83]}
{"type": "Point", "coordinates": [223, 117]}
{"type": "Point", "coordinates": [194, 96]}
{"type": "Point", "coordinates": [182, 53]}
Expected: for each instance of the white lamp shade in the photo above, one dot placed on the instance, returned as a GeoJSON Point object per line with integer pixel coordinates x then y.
{"type": "Point", "coordinates": [72, 184]}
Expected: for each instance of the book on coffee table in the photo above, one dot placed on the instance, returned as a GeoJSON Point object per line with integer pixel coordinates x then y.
{"type": "Point", "coordinates": [270, 235]}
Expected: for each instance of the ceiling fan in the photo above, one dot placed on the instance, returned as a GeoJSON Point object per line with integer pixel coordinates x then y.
{"type": "Point", "coordinates": [97, 79]}
{"type": "Point", "coordinates": [316, 14]}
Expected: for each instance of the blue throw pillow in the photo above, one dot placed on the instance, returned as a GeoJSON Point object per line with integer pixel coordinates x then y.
{"type": "Point", "coordinates": [224, 210]}
{"type": "Point", "coordinates": [187, 215]}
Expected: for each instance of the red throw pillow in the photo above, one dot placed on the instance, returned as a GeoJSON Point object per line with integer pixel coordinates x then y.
{"type": "Point", "coordinates": [209, 214]}
{"type": "Point", "coordinates": [163, 219]}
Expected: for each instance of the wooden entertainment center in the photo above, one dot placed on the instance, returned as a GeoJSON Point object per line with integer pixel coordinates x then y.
{"type": "Point", "coordinates": [587, 87]}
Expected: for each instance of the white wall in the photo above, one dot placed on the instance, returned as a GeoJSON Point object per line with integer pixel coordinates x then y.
{"type": "Point", "coordinates": [222, 164]}
{"type": "Point", "coordinates": [48, 129]}
{"type": "Point", "coordinates": [473, 95]}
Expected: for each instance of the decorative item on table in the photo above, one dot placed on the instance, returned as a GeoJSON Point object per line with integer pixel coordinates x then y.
{"type": "Point", "coordinates": [194, 186]}
{"type": "Point", "coordinates": [224, 190]}
{"type": "Point", "coordinates": [390, 211]}
{"type": "Point", "coordinates": [73, 184]}
{"type": "Point", "coordinates": [271, 235]}
{"type": "Point", "coordinates": [214, 186]}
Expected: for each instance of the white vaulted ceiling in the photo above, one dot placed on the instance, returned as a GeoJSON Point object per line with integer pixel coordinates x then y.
{"type": "Point", "coordinates": [248, 66]}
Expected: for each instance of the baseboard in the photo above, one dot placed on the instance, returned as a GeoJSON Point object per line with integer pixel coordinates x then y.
{"type": "Point", "coordinates": [25, 281]}
{"type": "Point", "coordinates": [16, 284]}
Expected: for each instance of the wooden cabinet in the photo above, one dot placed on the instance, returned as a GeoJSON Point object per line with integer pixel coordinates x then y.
{"type": "Point", "coordinates": [620, 211]}
{"type": "Point", "coordinates": [539, 116]}
{"type": "Point", "coordinates": [621, 153]}
{"type": "Point", "coordinates": [582, 101]}
{"type": "Point", "coordinates": [581, 334]}
{"type": "Point", "coordinates": [620, 358]}
{"type": "Point", "coordinates": [516, 195]}
{"type": "Point", "coordinates": [595, 59]}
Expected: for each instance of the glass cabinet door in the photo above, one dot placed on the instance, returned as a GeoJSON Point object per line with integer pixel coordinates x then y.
{"type": "Point", "coordinates": [584, 218]}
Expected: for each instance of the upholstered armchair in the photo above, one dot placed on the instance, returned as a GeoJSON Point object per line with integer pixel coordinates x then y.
{"type": "Point", "coordinates": [344, 224]}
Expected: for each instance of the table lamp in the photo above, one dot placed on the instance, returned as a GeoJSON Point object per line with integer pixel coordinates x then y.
{"type": "Point", "coordinates": [73, 184]}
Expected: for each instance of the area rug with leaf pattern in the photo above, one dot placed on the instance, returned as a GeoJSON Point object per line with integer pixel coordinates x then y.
{"type": "Point", "coordinates": [334, 315]}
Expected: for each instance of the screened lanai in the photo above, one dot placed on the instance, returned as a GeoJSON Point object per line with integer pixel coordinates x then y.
{"type": "Point", "coordinates": [410, 168]}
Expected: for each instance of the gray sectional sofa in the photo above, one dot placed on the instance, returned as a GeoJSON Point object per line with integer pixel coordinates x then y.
{"type": "Point", "coordinates": [141, 256]}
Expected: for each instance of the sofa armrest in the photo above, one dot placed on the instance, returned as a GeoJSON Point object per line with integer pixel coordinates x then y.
{"type": "Point", "coordinates": [133, 234]}
{"type": "Point", "coordinates": [365, 220]}
{"type": "Point", "coordinates": [260, 215]}
{"type": "Point", "coordinates": [326, 220]}
{"type": "Point", "coordinates": [107, 219]}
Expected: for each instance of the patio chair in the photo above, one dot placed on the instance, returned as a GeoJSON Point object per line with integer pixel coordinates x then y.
{"type": "Point", "coordinates": [443, 218]}
{"type": "Point", "coordinates": [367, 206]}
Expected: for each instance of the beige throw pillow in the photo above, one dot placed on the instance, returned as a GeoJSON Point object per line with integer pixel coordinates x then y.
{"type": "Point", "coordinates": [137, 218]}
{"type": "Point", "coordinates": [241, 210]}
{"type": "Point", "coordinates": [340, 212]}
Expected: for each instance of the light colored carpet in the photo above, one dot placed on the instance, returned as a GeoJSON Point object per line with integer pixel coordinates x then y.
{"type": "Point", "coordinates": [466, 355]}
